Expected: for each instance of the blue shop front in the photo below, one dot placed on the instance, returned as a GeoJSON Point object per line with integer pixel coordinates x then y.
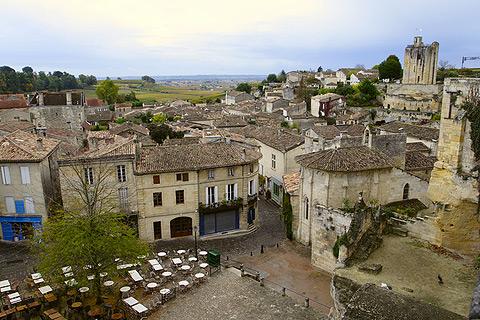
{"type": "Point", "coordinates": [15, 228]}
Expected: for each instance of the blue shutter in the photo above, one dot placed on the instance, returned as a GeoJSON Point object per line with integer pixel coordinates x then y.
{"type": "Point", "coordinates": [7, 231]}
{"type": "Point", "coordinates": [19, 206]}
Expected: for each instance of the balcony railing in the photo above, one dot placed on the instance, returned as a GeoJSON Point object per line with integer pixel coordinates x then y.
{"type": "Point", "coordinates": [220, 206]}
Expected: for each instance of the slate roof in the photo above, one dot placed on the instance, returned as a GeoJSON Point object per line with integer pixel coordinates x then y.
{"type": "Point", "coordinates": [11, 126]}
{"type": "Point", "coordinates": [351, 159]}
{"type": "Point", "coordinates": [327, 97]}
{"type": "Point", "coordinates": [100, 116]}
{"type": "Point", "coordinates": [230, 121]}
{"type": "Point", "coordinates": [354, 130]}
{"type": "Point", "coordinates": [291, 182]}
{"type": "Point", "coordinates": [416, 160]}
{"type": "Point", "coordinates": [184, 140]}
{"type": "Point", "coordinates": [417, 146]}
{"type": "Point", "coordinates": [193, 157]}
{"type": "Point", "coordinates": [21, 146]}
{"type": "Point", "coordinates": [12, 101]}
{"type": "Point", "coordinates": [417, 131]}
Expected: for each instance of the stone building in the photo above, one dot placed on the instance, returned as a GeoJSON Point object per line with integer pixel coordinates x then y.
{"type": "Point", "coordinates": [275, 103]}
{"type": "Point", "coordinates": [453, 183]}
{"type": "Point", "coordinates": [333, 179]}
{"type": "Point", "coordinates": [415, 133]}
{"type": "Point", "coordinates": [327, 105]}
{"type": "Point", "coordinates": [106, 165]}
{"type": "Point", "coordinates": [233, 97]}
{"type": "Point", "coordinates": [210, 186]}
{"type": "Point", "coordinates": [29, 183]}
{"type": "Point", "coordinates": [420, 63]}
{"type": "Point", "coordinates": [13, 107]}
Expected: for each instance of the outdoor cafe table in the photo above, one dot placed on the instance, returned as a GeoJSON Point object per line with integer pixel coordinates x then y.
{"type": "Point", "coordinates": [13, 295]}
{"type": "Point", "coordinates": [177, 261]}
{"type": "Point", "coordinates": [203, 265]}
{"type": "Point", "coordinates": [103, 274]}
{"type": "Point", "coordinates": [108, 283]}
{"type": "Point", "coordinates": [124, 289]}
{"type": "Point", "coordinates": [152, 285]}
{"type": "Point", "coordinates": [183, 283]}
{"type": "Point", "coordinates": [199, 275]}
{"type": "Point", "coordinates": [157, 267]}
{"type": "Point", "coordinates": [130, 301]}
{"type": "Point", "coordinates": [166, 274]}
{"type": "Point", "coordinates": [45, 289]}
{"type": "Point", "coordinates": [67, 269]}
{"type": "Point", "coordinates": [203, 253]}
{"type": "Point", "coordinates": [164, 291]}
{"type": "Point", "coordinates": [5, 289]}
{"type": "Point", "coordinates": [135, 275]}
{"type": "Point", "coordinates": [36, 276]}
{"type": "Point", "coordinates": [68, 274]}
{"type": "Point", "coordinates": [15, 300]}
{"type": "Point", "coordinates": [191, 259]}
{"type": "Point", "coordinates": [139, 308]}
{"type": "Point", "coordinates": [185, 267]}
{"type": "Point", "coordinates": [162, 254]}
{"type": "Point", "coordinates": [181, 251]}
{"type": "Point", "coordinates": [4, 283]}
{"type": "Point", "coordinates": [39, 280]}
{"type": "Point", "coordinates": [71, 282]}
{"type": "Point", "coordinates": [83, 289]}
{"type": "Point", "coordinates": [91, 277]}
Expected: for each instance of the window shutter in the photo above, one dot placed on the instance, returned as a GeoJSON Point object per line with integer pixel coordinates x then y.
{"type": "Point", "coordinates": [254, 191]}
{"type": "Point", "coordinates": [216, 194]}
{"type": "Point", "coordinates": [25, 173]}
{"type": "Point", "coordinates": [6, 175]}
{"type": "Point", "coordinates": [227, 192]}
{"type": "Point", "coordinates": [10, 204]}
{"type": "Point", "coordinates": [29, 207]}
{"type": "Point", "coordinates": [206, 196]}
{"type": "Point", "coordinates": [235, 191]}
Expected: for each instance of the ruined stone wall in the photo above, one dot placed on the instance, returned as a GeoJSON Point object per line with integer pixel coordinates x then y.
{"type": "Point", "coordinates": [451, 183]}
{"type": "Point", "coordinates": [58, 117]}
{"type": "Point", "coordinates": [415, 97]}
{"type": "Point", "coordinates": [420, 63]}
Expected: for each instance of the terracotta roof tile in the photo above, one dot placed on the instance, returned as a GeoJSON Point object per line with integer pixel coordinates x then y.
{"type": "Point", "coordinates": [193, 157]}
{"type": "Point", "coordinates": [21, 146]}
{"type": "Point", "coordinates": [417, 146]}
{"type": "Point", "coordinates": [12, 101]}
{"type": "Point", "coordinates": [11, 126]}
{"type": "Point", "coordinates": [416, 160]}
{"type": "Point", "coordinates": [417, 131]}
{"type": "Point", "coordinates": [349, 159]}
{"type": "Point", "coordinates": [326, 132]}
{"type": "Point", "coordinates": [291, 182]}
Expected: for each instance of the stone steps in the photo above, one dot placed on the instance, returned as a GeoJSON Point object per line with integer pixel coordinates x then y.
{"type": "Point", "coordinates": [400, 231]}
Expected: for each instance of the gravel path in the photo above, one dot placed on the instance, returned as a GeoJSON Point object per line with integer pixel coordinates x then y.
{"type": "Point", "coordinates": [269, 234]}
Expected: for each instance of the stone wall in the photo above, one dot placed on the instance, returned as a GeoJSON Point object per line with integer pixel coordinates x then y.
{"type": "Point", "coordinates": [417, 97]}
{"type": "Point", "coordinates": [420, 62]}
{"type": "Point", "coordinates": [68, 117]}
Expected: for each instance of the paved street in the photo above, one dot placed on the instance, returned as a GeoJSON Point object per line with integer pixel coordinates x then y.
{"type": "Point", "coordinates": [15, 260]}
{"type": "Point", "coordinates": [269, 234]}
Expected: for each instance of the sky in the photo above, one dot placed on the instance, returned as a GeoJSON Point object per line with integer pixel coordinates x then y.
{"type": "Point", "coordinates": [189, 37]}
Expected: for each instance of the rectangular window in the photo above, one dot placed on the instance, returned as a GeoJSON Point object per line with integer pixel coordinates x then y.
{"type": "Point", "coordinates": [274, 161]}
{"type": "Point", "coordinates": [230, 194]}
{"type": "Point", "coordinates": [211, 174]}
{"type": "Point", "coordinates": [306, 208]}
{"type": "Point", "coordinates": [230, 172]}
{"type": "Point", "coordinates": [123, 198]}
{"type": "Point", "coordinates": [276, 189]}
{"type": "Point", "coordinates": [182, 176]}
{"type": "Point", "coordinates": [211, 195]}
{"type": "Point", "coordinates": [25, 174]}
{"type": "Point", "coordinates": [88, 175]}
{"type": "Point", "coordinates": [19, 206]}
{"type": "Point", "coordinates": [6, 175]}
{"type": "Point", "coordinates": [121, 173]}
{"type": "Point", "coordinates": [156, 179]}
{"type": "Point", "coordinates": [10, 204]}
{"type": "Point", "coordinates": [251, 187]}
{"type": "Point", "coordinates": [157, 230]}
{"type": "Point", "coordinates": [179, 197]}
{"type": "Point", "coordinates": [157, 199]}
{"type": "Point", "coordinates": [29, 207]}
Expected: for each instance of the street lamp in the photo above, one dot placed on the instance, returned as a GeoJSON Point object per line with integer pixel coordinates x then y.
{"type": "Point", "coordinates": [195, 239]}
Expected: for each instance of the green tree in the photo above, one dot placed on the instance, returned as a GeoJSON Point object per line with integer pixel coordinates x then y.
{"type": "Point", "coordinates": [272, 77]}
{"type": "Point", "coordinates": [368, 89]}
{"type": "Point", "coordinates": [287, 215]}
{"type": "Point", "coordinates": [244, 87]}
{"type": "Point", "coordinates": [108, 91]}
{"type": "Point", "coordinates": [159, 133]}
{"type": "Point", "coordinates": [390, 69]}
{"type": "Point", "coordinates": [91, 237]}
{"type": "Point", "coordinates": [159, 118]}
{"type": "Point", "coordinates": [282, 76]}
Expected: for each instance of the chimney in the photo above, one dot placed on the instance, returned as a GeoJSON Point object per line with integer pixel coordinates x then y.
{"type": "Point", "coordinates": [40, 143]}
{"type": "Point", "coordinates": [69, 98]}
{"type": "Point", "coordinates": [244, 154]}
{"type": "Point", "coordinates": [40, 99]}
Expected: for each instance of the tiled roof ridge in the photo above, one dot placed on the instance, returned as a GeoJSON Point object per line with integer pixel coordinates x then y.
{"type": "Point", "coordinates": [17, 145]}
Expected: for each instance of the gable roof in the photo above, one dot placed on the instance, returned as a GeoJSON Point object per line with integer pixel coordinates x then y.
{"type": "Point", "coordinates": [12, 101]}
{"type": "Point", "coordinates": [417, 146]}
{"type": "Point", "coordinates": [420, 132]}
{"type": "Point", "coordinates": [21, 146]}
{"type": "Point", "coordinates": [328, 132]}
{"type": "Point", "coordinates": [193, 157]}
{"type": "Point", "coordinates": [127, 126]}
{"type": "Point", "coordinates": [327, 97]}
{"type": "Point", "coordinates": [278, 139]}
{"type": "Point", "coordinates": [11, 126]}
{"type": "Point", "coordinates": [416, 160]}
{"type": "Point", "coordinates": [351, 159]}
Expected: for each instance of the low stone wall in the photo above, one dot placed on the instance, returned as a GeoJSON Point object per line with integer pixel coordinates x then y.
{"type": "Point", "coordinates": [420, 97]}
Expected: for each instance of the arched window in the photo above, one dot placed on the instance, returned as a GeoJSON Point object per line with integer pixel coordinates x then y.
{"type": "Point", "coordinates": [406, 190]}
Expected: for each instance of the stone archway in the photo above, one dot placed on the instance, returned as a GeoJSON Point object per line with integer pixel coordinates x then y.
{"type": "Point", "coordinates": [181, 227]}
